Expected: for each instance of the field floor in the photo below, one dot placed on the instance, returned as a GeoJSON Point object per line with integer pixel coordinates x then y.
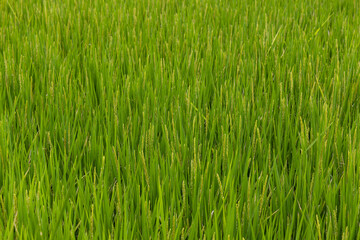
{"type": "Point", "coordinates": [169, 119]}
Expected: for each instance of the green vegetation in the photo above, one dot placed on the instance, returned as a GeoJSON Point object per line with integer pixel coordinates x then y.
{"type": "Point", "coordinates": [167, 119]}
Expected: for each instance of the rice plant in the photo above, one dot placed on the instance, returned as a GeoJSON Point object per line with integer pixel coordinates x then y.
{"type": "Point", "coordinates": [168, 119]}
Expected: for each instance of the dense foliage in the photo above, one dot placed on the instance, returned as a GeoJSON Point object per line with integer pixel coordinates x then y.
{"type": "Point", "coordinates": [179, 119]}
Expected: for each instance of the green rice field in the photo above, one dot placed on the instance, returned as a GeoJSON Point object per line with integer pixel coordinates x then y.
{"type": "Point", "coordinates": [169, 119]}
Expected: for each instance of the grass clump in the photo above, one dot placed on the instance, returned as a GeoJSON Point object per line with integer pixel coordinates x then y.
{"type": "Point", "coordinates": [179, 119]}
